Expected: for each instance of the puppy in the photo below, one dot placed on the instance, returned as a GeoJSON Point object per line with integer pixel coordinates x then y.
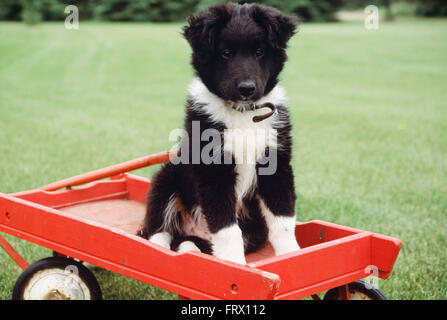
{"type": "Point", "coordinates": [230, 188]}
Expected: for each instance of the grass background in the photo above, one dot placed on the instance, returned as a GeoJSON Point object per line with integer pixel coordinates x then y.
{"type": "Point", "coordinates": [368, 109]}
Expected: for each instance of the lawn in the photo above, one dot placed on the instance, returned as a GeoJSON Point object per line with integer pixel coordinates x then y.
{"type": "Point", "coordinates": [368, 108]}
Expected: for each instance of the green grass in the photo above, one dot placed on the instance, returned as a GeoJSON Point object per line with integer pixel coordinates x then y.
{"type": "Point", "coordinates": [368, 108]}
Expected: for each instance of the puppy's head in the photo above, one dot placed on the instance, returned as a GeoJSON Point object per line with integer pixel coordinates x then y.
{"type": "Point", "coordinates": [239, 50]}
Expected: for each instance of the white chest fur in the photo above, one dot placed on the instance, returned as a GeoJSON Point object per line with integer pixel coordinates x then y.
{"type": "Point", "coordinates": [244, 139]}
{"type": "Point", "coordinates": [247, 141]}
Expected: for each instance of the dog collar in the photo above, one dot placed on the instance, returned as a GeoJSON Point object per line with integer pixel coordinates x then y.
{"type": "Point", "coordinates": [253, 107]}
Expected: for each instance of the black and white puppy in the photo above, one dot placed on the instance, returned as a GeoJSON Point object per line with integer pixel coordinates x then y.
{"type": "Point", "coordinates": [244, 196]}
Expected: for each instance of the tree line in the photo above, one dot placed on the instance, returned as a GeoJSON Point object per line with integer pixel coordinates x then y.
{"type": "Point", "coordinates": [33, 11]}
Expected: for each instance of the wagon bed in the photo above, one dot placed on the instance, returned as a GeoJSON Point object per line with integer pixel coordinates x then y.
{"type": "Point", "coordinates": [97, 222]}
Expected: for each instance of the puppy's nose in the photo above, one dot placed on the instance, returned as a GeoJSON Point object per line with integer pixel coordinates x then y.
{"type": "Point", "coordinates": [246, 88]}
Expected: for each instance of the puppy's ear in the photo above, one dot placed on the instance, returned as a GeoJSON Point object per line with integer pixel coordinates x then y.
{"type": "Point", "coordinates": [202, 29]}
{"type": "Point", "coordinates": [279, 27]}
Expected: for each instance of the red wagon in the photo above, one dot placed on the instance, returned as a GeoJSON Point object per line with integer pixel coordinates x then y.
{"type": "Point", "coordinates": [96, 223]}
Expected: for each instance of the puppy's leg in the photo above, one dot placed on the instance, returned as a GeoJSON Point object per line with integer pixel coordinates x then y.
{"type": "Point", "coordinates": [159, 224]}
{"type": "Point", "coordinates": [218, 205]}
{"type": "Point", "coordinates": [253, 225]}
{"type": "Point", "coordinates": [277, 202]}
{"type": "Point", "coordinates": [162, 213]}
{"type": "Point", "coordinates": [281, 230]}
{"type": "Point", "coordinates": [228, 244]}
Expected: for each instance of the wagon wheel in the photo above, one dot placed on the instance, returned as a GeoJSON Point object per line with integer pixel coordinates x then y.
{"type": "Point", "coordinates": [357, 291]}
{"type": "Point", "coordinates": [56, 278]}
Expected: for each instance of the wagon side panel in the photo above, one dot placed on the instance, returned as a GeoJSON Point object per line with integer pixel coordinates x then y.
{"type": "Point", "coordinates": [194, 275]}
{"type": "Point", "coordinates": [321, 267]}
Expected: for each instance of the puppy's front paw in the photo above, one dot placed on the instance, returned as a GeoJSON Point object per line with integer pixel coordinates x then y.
{"type": "Point", "coordinates": [187, 246]}
{"type": "Point", "coordinates": [228, 244]}
{"type": "Point", "coordinates": [237, 258]}
{"type": "Point", "coordinates": [162, 239]}
{"type": "Point", "coordinates": [286, 246]}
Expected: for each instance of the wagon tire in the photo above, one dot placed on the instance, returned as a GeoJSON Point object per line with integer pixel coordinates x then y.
{"type": "Point", "coordinates": [358, 290]}
{"type": "Point", "coordinates": [57, 254]}
{"type": "Point", "coordinates": [56, 278]}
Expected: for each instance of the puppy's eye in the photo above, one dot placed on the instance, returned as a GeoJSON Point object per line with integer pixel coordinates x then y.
{"type": "Point", "coordinates": [259, 53]}
{"type": "Point", "coordinates": [226, 53]}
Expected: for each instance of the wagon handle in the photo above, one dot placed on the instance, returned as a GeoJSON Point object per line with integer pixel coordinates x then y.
{"type": "Point", "coordinates": [130, 165]}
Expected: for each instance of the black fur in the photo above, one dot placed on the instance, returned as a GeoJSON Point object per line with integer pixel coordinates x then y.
{"type": "Point", "coordinates": [231, 44]}
{"type": "Point", "coordinates": [242, 30]}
